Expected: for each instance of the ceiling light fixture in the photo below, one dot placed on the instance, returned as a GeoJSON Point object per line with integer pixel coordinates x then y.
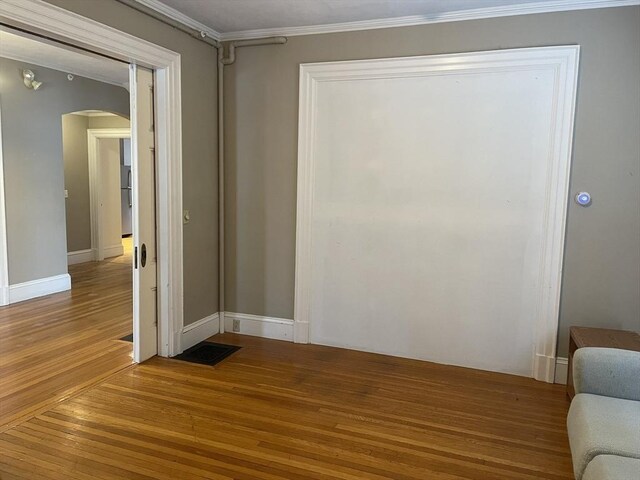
{"type": "Point", "coordinates": [29, 79]}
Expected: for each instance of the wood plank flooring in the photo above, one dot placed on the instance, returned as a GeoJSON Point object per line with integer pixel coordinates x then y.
{"type": "Point", "coordinates": [53, 347]}
{"type": "Point", "coordinates": [275, 410]}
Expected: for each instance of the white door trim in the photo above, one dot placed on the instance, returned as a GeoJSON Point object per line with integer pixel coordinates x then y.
{"type": "Point", "coordinates": [93, 135]}
{"type": "Point", "coordinates": [56, 22]}
{"type": "Point", "coordinates": [563, 60]}
{"type": "Point", "coordinates": [4, 258]}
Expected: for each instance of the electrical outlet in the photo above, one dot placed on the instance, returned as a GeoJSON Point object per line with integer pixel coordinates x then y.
{"type": "Point", "coordinates": [236, 326]}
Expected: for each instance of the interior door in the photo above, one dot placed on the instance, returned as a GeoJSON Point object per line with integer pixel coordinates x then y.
{"type": "Point", "coordinates": [145, 326]}
{"type": "Point", "coordinates": [108, 179]}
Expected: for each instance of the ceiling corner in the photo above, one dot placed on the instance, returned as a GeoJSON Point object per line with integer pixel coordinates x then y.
{"type": "Point", "coordinates": [174, 14]}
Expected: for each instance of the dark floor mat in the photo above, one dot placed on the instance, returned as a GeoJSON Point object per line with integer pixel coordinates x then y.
{"type": "Point", "coordinates": [207, 353]}
{"type": "Point", "coordinates": [127, 338]}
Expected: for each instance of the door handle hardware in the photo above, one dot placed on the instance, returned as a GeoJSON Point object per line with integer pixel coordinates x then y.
{"type": "Point", "coordinates": [143, 255]}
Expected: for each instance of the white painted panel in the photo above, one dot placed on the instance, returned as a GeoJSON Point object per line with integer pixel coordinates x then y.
{"type": "Point", "coordinates": [430, 205]}
{"type": "Point", "coordinates": [108, 163]}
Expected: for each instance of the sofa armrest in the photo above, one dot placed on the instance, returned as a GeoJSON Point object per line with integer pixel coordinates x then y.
{"type": "Point", "coordinates": [609, 372]}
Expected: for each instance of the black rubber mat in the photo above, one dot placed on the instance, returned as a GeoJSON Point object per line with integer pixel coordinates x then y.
{"type": "Point", "coordinates": [127, 338]}
{"type": "Point", "coordinates": [207, 353]}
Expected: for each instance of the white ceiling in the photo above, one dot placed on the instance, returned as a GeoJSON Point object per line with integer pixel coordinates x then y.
{"type": "Point", "coordinates": [65, 59]}
{"type": "Point", "coordinates": [232, 19]}
{"type": "Point", "coordinates": [237, 15]}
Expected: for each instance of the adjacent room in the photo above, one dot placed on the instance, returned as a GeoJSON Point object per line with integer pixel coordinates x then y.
{"type": "Point", "coordinates": [320, 239]}
{"type": "Point", "coordinates": [67, 311]}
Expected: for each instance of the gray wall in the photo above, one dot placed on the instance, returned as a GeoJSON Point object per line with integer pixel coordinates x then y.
{"type": "Point", "coordinates": [33, 166]}
{"type": "Point", "coordinates": [113, 121]}
{"type": "Point", "coordinates": [199, 140]}
{"type": "Point", "coordinates": [601, 285]}
{"type": "Point", "coordinates": [76, 181]}
{"type": "Point", "coordinates": [76, 174]}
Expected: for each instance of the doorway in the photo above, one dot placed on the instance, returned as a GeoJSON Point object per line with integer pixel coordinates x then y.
{"type": "Point", "coordinates": [98, 193]}
{"type": "Point", "coordinates": [57, 24]}
{"type": "Point", "coordinates": [74, 334]}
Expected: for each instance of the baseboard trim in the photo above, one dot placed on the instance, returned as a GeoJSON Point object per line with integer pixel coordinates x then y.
{"type": "Point", "coordinates": [113, 251]}
{"type": "Point", "coordinates": [562, 370]}
{"type": "Point", "coordinates": [199, 331]}
{"type": "Point", "coordinates": [544, 368]}
{"type": "Point", "coordinates": [80, 256]}
{"type": "Point", "coordinates": [4, 296]}
{"type": "Point", "coordinates": [39, 288]}
{"type": "Point", "coordinates": [259, 326]}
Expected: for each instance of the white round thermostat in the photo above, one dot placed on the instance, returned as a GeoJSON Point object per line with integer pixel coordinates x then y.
{"type": "Point", "coordinates": [583, 199]}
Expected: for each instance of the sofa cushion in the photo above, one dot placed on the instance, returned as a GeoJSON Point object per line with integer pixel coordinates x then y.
{"type": "Point", "coordinates": [602, 426]}
{"type": "Point", "coordinates": [611, 467]}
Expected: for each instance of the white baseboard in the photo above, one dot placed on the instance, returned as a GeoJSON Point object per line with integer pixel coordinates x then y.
{"type": "Point", "coordinates": [544, 368]}
{"type": "Point", "coordinates": [562, 370]}
{"type": "Point", "coordinates": [113, 251]}
{"type": "Point", "coordinates": [80, 256]}
{"type": "Point", "coordinates": [39, 288]}
{"type": "Point", "coordinates": [199, 331]}
{"type": "Point", "coordinates": [4, 296]}
{"type": "Point", "coordinates": [259, 326]}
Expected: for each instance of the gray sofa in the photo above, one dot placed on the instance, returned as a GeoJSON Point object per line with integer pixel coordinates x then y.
{"type": "Point", "coordinates": [604, 417]}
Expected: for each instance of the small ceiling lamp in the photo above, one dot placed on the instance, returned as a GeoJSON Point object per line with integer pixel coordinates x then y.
{"type": "Point", "coordinates": [30, 81]}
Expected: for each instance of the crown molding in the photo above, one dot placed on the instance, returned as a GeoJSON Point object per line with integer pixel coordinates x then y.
{"type": "Point", "coordinates": [413, 20]}
{"type": "Point", "coordinates": [174, 14]}
{"type": "Point", "coordinates": [549, 6]}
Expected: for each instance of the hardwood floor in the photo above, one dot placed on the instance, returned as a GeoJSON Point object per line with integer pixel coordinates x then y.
{"type": "Point", "coordinates": [53, 347]}
{"type": "Point", "coordinates": [276, 410]}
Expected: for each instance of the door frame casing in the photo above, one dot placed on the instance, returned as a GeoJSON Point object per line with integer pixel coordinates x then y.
{"type": "Point", "coordinates": [93, 135]}
{"type": "Point", "coordinates": [562, 60]}
{"type": "Point", "coordinates": [58, 23]}
{"type": "Point", "coordinates": [4, 258]}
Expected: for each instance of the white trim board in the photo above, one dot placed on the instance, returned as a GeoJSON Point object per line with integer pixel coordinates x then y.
{"type": "Point", "coordinates": [4, 258]}
{"type": "Point", "coordinates": [200, 330]}
{"type": "Point", "coordinates": [58, 23]}
{"type": "Point", "coordinates": [259, 326]}
{"type": "Point", "coordinates": [93, 135]}
{"type": "Point", "coordinates": [39, 288]}
{"type": "Point", "coordinates": [407, 21]}
{"type": "Point", "coordinates": [562, 60]}
{"type": "Point", "coordinates": [80, 256]}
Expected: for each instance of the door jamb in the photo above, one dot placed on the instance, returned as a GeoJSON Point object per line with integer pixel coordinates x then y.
{"type": "Point", "coordinates": [4, 258]}
{"type": "Point", "coordinates": [55, 22]}
{"type": "Point", "coordinates": [93, 135]}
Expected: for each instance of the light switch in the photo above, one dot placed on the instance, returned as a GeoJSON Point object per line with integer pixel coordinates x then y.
{"type": "Point", "coordinates": [66, 193]}
{"type": "Point", "coordinates": [186, 217]}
